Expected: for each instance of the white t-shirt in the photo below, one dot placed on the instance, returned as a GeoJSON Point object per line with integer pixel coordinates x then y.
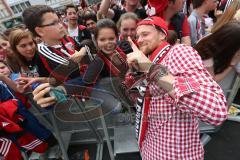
{"type": "Point", "coordinates": [73, 32]}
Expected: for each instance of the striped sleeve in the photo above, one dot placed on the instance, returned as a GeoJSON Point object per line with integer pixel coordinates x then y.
{"type": "Point", "coordinates": [46, 52]}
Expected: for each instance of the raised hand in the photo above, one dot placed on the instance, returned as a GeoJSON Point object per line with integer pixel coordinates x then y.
{"type": "Point", "coordinates": [137, 59]}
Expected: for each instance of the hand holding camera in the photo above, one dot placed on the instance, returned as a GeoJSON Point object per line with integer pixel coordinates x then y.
{"type": "Point", "coordinates": [45, 95]}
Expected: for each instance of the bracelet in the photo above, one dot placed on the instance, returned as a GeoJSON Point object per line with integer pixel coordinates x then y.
{"type": "Point", "coordinates": [171, 91]}
{"type": "Point", "coordinates": [155, 72]}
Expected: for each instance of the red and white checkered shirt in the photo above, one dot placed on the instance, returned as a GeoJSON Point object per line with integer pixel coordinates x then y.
{"type": "Point", "coordinates": [173, 128]}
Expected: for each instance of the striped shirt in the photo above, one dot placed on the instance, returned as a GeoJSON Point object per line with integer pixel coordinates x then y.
{"type": "Point", "coordinates": [56, 60]}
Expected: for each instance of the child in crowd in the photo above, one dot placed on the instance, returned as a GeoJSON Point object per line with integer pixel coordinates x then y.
{"type": "Point", "coordinates": [25, 50]}
{"type": "Point", "coordinates": [116, 66]}
{"type": "Point", "coordinates": [19, 129]}
{"type": "Point", "coordinates": [59, 53]}
{"type": "Point", "coordinates": [114, 58]}
{"type": "Point", "coordinates": [76, 31]}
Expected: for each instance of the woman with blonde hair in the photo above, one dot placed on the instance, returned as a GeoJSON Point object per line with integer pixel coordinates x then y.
{"type": "Point", "coordinates": [127, 25]}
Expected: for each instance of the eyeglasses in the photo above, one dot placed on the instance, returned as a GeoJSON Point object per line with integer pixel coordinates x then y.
{"type": "Point", "coordinates": [52, 24]}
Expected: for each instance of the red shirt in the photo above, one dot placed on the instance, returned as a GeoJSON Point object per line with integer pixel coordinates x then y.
{"type": "Point", "coordinates": [185, 27]}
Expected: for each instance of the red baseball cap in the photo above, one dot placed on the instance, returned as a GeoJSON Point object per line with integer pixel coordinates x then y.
{"type": "Point", "coordinates": [156, 21]}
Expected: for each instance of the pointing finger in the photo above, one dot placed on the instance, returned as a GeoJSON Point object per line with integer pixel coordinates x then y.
{"type": "Point", "coordinates": [134, 47]}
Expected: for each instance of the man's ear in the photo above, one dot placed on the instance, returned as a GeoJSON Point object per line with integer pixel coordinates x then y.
{"type": "Point", "coordinates": [162, 36]}
{"type": "Point", "coordinates": [39, 31]}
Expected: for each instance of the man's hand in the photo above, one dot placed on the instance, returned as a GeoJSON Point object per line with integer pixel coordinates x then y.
{"type": "Point", "coordinates": [39, 95]}
{"type": "Point", "coordinates": [137, 59]}
{"type": "Point", "coordinates": [78, 55]}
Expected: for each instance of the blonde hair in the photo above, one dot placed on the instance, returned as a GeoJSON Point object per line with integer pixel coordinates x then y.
{"type": "Point", "coordinates": [125, 16]}
{"type": "Point", "coordinates": [237, 15]}
{"type": "Point", "coordinates": [227, 15]}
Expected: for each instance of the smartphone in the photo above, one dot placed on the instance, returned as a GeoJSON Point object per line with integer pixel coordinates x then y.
{"type": "Point", "coordinates": [58, 94]}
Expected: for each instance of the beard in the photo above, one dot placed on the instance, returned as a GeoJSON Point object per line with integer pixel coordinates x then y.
{"type": "Point", "coordinates": [146, 49]}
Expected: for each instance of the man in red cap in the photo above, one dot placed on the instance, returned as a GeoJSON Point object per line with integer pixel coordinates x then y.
{"type": "Point", "coordinates": [175, 93]}
{"type": "Point", "coordinates": [170, 11]}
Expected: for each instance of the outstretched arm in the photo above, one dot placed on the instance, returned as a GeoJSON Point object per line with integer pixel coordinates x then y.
{"type": "Point", "coordinates": [105, 9]}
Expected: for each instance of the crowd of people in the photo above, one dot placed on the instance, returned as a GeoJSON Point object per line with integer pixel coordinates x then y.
{"type": "Point", "coordinates": [166, 59]}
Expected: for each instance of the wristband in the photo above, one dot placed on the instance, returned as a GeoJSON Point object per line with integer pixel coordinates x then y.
{"type": "Point", "coordinates": [155, 72]}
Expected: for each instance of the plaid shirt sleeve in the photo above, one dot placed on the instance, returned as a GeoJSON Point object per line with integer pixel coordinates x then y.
{"type": "Point", "coordinates": [195, 90]}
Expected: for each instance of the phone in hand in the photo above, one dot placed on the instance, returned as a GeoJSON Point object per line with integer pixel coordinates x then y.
{"type": "Point", "coordinates": [58, 94]}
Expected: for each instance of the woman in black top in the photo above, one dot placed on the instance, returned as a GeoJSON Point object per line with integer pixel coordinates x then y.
{"type": "Point", "coordinates": [25, 51]}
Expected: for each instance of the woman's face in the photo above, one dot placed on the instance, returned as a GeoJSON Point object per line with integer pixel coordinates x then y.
{"type": "Point", "coordinates": [5, 47]}
{"type": "Point", "coordinates": [128, 28]}
{"type": "Point", "coordinates": [27, 48]}
{"type": "Point", "coordinates": [107, 40]}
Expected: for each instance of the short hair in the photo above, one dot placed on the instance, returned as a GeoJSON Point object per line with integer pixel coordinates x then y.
{"type": "Point", "coordinates": [32, 16]}
{"type": "Point", "coordinates": [197, 3]}
{"type": "Point", "coordinates": [90, 16]}
{"type": "Point", "coordinates": [105, 23]}
{"type": "Point", "coordinates": [69, 6]}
